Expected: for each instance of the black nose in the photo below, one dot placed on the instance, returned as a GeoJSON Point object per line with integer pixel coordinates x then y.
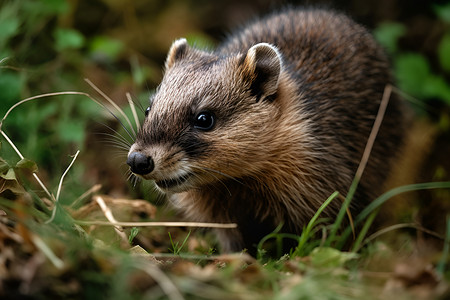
{"type": "Point", "coordinates": [140, 164]}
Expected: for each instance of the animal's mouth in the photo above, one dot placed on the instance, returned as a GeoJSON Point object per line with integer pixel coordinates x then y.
{"type": "Point", "coordinates": [168, 184]}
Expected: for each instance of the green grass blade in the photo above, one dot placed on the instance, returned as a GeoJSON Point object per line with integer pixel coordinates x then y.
{"type": "Point", "coordinates": [445, 252]}
{"type": "Point", "coordinates": [364, 230]}
{"type": "Point", "coordinates": [307, 232]}
{"type": "Point", "coordinates": [342, 212]}
{"type": "Point", "coordinates": [386, 196]}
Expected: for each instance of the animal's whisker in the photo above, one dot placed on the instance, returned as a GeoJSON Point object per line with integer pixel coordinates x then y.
{"type": "Point", "coordinates": [110, 138]}
{"type": "Point", "coordinates": [117, 132]}
{"type": "Point", "coordinates": [132, 136]}
{"type": "Point", "coordinates": [123, 148]}
{"type": "Point", "coordinates": [113, 141]}
{"type": "Point", "coordinates": [115, 106]}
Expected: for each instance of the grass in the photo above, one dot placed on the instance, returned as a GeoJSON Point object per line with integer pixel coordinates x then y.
{"type": "Point", "coordinates": [176, 247]}
{"type": "Point", "coordinates": [49, 251]}
{"type": "Point", "coordinates": [111, 268]}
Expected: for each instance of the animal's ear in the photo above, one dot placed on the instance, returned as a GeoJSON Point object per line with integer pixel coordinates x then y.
{"type": "Point", "coordinates": [177, 51]}
{"type": "Point", "coordinates": [262, 67]}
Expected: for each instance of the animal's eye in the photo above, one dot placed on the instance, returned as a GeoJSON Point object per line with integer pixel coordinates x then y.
{"type": "Point", "coordinates": [204, 121]}
{"type": "Point", "coordinates": [147, 111]}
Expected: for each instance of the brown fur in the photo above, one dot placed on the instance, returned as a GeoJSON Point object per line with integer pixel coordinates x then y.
{"type": "Point", "coordinates": [292, 120]}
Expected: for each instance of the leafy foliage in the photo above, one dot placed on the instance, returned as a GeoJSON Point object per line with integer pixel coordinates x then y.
{"type": "Point", "coordinates": [414, 71]}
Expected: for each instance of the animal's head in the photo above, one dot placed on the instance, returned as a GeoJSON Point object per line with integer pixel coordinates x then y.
{"type": "Point", "coordinates": [210, 117]}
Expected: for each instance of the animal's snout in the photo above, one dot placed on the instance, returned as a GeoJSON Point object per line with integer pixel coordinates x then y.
{"type": "Point", "coordinates": [140, 163]}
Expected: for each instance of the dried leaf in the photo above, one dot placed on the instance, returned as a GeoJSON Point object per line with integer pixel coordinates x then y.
{"type": "Point", "coordinates": [9, 175]}
{"type": "Point", "coordinates": [4, 166]}
{"type": "Point", "coordinates": [13, 185]}
{"type": "Point", "coordinates": [417, 277]}
{"type": "Point", "coordinates": [27, 164]}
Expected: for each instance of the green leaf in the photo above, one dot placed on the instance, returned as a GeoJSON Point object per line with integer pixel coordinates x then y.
{"type": "Point", "coordinates": [106, 47]}
{"type": "Point", "coordinates": [47, 7]}
{"type": "Point", "coordinates": [444, 52]}
{"type": "Point", "coordinates": [443, 12]}
{"type": "Point", "coordinates": [27, 164]}
{"type": "Point", "coordinates": [437, 87]}
{"type": "Point", "coordinates": [133, 233]}
{"type": "Point", "coordinates": [9, 22]}
{"type": "Point", "coordinates": [415, 78]}
{"type": "Point", "coordinates": [68, 39]}
{"type": "Point", "coordinates": [412, 70]}
{"type": "Point", "coordinates": [9, 29]}
{"type": "Point", "coordinates": [55, 6]}
{"type": "Point", "coordinates": [388, 33]}
{"type": "Point", "coordinates": [327, 257]}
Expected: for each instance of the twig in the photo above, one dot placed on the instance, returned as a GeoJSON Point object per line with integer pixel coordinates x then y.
{"type": "Point", "coordinates": [160, 224]}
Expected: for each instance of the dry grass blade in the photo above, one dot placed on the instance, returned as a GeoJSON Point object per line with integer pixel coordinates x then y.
{"type": "Point", "coordinates": [58, 193]}
{"type": "Point", "coordinates": [37, 97]}
{"type": "Point", "coordinates": [133, 110]}
{"type": "Point", "coordinates": [14, 146]}
{"type": "Point", "coordinates": [22, 157]}
{"type": "Point", "coordinates": [396, 227]}
{"type": "Point", "coordinates": [363, 162]}
{"type": "Point", "coordinates": [92, 190]}
{"type": "Point", "coordinates": [39, 243]}
{"type": "Point", "coordinates": [373, 134]}
{"type": "Point", "coordinates": [112, 103]}
{"type": "Point", "coordinates": [60, 186]}
{"type": "Point", "coordinates": [161, 278]}
{"type": "Point", "coordinates": [109, 215]}
{"type": "Point", "coordinates": [160, 224]}
{"type": "Point", "coordinates": [106, 211]}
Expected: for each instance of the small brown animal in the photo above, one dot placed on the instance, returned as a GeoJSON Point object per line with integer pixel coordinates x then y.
{"type": "Point", "coordinates": [267, 127]}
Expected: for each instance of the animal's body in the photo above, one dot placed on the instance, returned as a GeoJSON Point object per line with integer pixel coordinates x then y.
{"type": "Point", "coordinates": [264, 129]}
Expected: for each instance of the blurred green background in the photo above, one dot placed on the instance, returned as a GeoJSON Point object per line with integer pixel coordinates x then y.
{"type": "Point", "coordinates": [52, 45]}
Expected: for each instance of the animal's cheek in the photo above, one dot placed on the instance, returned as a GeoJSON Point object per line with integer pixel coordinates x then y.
{"type": "Point", "coordinates": [220, 164]}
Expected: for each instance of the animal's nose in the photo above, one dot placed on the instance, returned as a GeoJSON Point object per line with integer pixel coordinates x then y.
{"type": "Point", "coordinates": [140, 163]}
